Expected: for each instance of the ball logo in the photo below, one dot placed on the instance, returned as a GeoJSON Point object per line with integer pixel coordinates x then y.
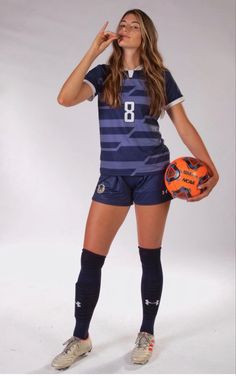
{"type": "Point", "coordinates": [189, 181]}
{"type": "Point", "coordinates": [101, 188]}
{"type": "Point", "coordinates": [189, 173]}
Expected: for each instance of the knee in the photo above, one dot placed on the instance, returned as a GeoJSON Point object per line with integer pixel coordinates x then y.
{"type": "Point", "coordinates": [150, 244]}
{"type": "Point", "coordinates": [150, 257]}
{"type": "Point", "coordinates": [91, 260]}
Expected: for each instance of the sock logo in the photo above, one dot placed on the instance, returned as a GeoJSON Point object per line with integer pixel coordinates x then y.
{"type": "Point", "coordinates": [147, 302]}
{"type": "Point", "coordinates": [78, 304]}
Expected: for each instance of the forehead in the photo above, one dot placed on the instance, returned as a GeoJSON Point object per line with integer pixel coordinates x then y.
{"type": "Point", "coordinates": [131, 18]}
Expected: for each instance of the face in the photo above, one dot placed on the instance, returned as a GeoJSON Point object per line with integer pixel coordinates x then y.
{"type": "Point", "coordinates": [129, 32]}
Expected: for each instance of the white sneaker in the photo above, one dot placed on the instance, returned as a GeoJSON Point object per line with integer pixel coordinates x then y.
{"type": "Point", "coordinates": [143, 348]}
{"type": "Point", "coordinates": [75, 348]}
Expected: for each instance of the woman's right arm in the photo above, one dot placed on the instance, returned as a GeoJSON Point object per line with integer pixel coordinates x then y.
{"type": "Point", "coordinates": [74, 90]}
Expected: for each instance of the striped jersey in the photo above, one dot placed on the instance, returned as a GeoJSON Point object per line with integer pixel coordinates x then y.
{"type": "Point", "coordinates": [130, 139]}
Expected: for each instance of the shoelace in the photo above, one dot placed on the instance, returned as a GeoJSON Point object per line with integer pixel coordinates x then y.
{"type": "Point", "coordinates": [142, 340]}
{"type": "Point", "coordinates": [70, 342]}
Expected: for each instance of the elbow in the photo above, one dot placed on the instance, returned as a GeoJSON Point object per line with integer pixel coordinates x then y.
{"type": "Point", "coordinates": [62, 101]}
{"type": "Point", "coordinates": [59, 100]}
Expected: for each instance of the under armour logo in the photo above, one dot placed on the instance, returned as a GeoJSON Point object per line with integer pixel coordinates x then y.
{"type": "Point", "coordinates": [147, 302]}
{"type": "Point", "coordinates": [100, 188]}
{"type": "Point", "coordinates": [78, 304]}
{"type": "Point", "coordinates": [164, 192]}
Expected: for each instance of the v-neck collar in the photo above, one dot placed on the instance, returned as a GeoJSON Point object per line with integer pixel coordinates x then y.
{"type": "Point", "coordinates": [131, 71]}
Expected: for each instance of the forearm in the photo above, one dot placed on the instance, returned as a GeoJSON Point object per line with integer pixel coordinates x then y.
{"type": "Point", "coordinates": [195, 144]}
{"type": "Point", "coordinates": [72, 85]}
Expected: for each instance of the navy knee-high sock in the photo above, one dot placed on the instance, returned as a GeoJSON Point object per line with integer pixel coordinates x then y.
{"type": "Point", "coordinates": [151, 286]}
{"type": "Point", "coordinates": [87, 289]}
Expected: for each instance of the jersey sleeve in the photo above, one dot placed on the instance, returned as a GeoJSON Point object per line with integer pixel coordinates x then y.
{"type": "Point", "coordinates": [95, 78]}
{"type": "Point", "coordinates": [173, 92]}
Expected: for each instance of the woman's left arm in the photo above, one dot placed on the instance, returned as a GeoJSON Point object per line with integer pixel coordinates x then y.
{"type": "Point", "coordinates": [194, 143]}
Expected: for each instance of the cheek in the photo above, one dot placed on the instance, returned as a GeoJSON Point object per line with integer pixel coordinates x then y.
{"type": "Point", "coordinates": [138, 40]}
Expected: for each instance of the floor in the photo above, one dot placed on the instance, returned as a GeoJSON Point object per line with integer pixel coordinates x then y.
{"type": "Point", "coordinates": [194, 329]}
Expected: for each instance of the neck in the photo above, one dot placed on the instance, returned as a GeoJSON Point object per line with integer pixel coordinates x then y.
{"type": "Point", "coordinates": [131, 59]}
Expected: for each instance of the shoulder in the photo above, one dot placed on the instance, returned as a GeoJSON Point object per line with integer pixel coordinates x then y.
{"type": "Point", "coordinates": [102, 71]}
{"type": "Point", "coordinates": [167, 74]}
{"type": "Point", "coordinates": [169, 79]}
{"type": "Point", "coordinates": [103, 68]}
{"type": "Point", "coordinates": [99, 69]}
{"type": "Point", "coordinates": [97, 74]}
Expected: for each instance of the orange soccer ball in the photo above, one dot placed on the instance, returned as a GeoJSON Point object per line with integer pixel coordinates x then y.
{"type": "Point", "coordinates": [183, 176]}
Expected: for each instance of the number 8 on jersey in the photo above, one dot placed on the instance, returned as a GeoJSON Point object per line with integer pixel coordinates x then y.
{"type": "Point", "coordinates": [129, 112]}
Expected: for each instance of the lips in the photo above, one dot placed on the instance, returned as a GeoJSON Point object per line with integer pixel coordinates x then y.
{"type": "Point", "coordinates": [123, 36]}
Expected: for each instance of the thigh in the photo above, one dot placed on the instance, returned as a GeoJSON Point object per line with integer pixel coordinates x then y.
{"type": "Point", "coordinates": [151, 221]}
{"type": "Point", "coordinates": [102, 224]}
{"type": "Point", "coordinates": [151, 190]}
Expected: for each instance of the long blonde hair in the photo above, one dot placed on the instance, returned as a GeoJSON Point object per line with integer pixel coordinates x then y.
{"type": "Point", "coordinates": [151, 60]}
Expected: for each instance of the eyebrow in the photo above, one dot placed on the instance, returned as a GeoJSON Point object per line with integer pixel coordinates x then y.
{"type": "Point", "coordinates": [131, 21]}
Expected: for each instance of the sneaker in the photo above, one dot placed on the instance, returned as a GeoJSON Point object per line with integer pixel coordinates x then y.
{"type": "Point", "coordinates": [143, 348]}
{"type": "Point", "coordinates": [75, 348]}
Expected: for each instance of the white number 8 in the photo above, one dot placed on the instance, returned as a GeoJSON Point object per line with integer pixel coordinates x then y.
{"type": "Point", "coordinates": [129, 112]}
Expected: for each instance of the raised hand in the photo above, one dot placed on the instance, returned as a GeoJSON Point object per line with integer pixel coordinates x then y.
{"type": "Point", "coordinates": [103, 40]}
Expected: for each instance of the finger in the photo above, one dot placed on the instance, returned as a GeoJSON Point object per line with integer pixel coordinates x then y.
{"type": "Point", "coordinates": [193, 199]}
{"type": "Point", "coordinates": [198, 198]}
{"type": "Point", "coordinates": [110, 34]}
{"type": "Point", "coordinates": [104, 27]}
{"type": "Point", "coordinates": [113, 37]}
{"type": "Point", "coordinates": [203, 189]}
{"type": "Point", "coordinates": [203, 185]}
{"type": "Point", "coordinates": [109, 37]}
{"type": "Point", "coordinates": [106, 43]}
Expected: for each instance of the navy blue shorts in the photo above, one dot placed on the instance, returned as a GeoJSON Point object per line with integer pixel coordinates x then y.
{"type": "Point", "coordinates": [124, 190]}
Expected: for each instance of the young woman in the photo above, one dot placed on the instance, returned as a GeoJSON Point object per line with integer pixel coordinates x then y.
{"type": "Point", "coordinates": [134, 89]}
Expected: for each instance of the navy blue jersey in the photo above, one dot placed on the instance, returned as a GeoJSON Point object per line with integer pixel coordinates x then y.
{"type": "Point", "coordinates": [131, 143]}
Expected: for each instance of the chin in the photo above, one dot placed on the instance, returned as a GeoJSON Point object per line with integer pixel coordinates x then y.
{"type": "Point", "coordinates": [124, 42]}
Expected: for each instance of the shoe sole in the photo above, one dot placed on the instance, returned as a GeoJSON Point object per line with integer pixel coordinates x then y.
{"type": "Point", "coordinates": [140, 362]}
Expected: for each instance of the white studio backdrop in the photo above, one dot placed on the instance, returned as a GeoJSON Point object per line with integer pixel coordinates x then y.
{"type": "Point", "coordinates": [49, 163]}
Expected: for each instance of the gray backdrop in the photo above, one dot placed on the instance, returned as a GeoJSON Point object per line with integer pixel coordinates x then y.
{"type": "Point", "coordinates": [46, 189]}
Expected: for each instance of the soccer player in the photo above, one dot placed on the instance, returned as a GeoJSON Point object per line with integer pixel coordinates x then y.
{"type": "Point", "coordinates": [134, 89]}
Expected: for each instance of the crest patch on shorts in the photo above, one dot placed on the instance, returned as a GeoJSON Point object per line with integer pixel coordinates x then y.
{"type": "Point", "coordinates": [100, 188]}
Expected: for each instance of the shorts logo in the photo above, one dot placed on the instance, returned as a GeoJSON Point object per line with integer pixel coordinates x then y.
{"type": "Point", "coordinates": [164, 192]}
{"type": "Point", "coordinates": [101, 188]}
